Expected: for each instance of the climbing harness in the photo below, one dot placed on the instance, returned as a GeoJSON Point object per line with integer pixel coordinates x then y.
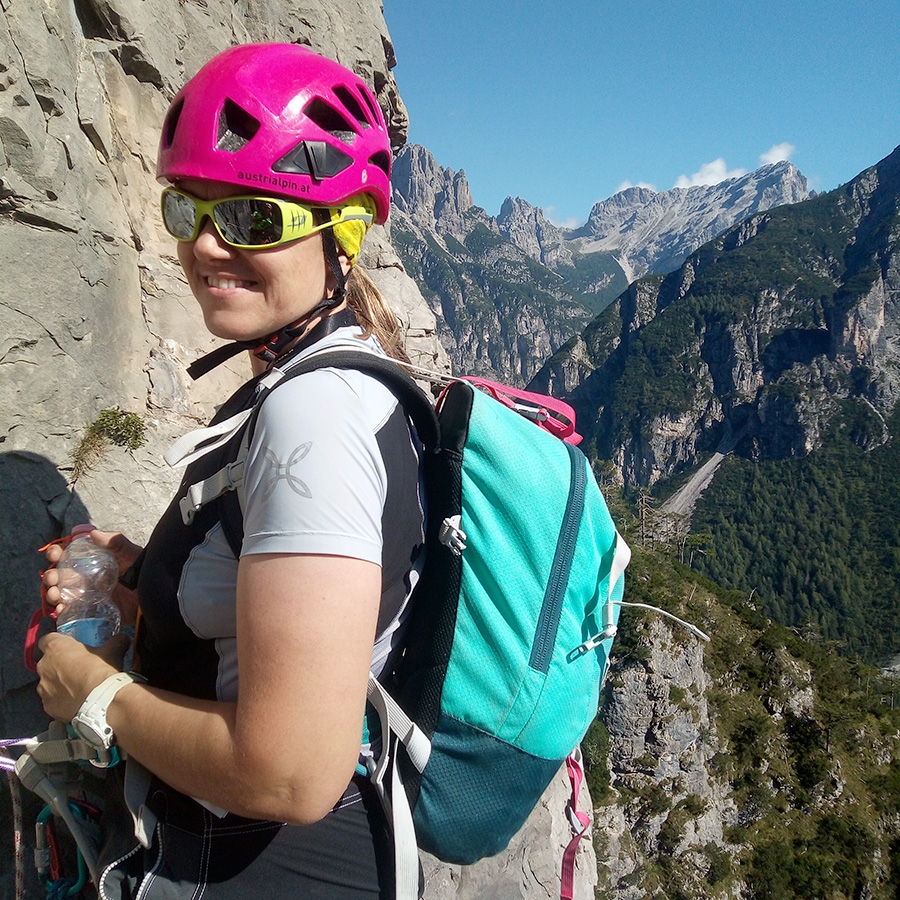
{"type": "Point", "coordinates": [45, 767]}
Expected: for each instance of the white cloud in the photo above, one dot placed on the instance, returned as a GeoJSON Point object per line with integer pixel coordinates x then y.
{"type": "Point", "coordinates": [628, 184]}
{"type": "Point", "coordinates": [710, 173]}
{"type": "Point", "coordinates": [777, 153]}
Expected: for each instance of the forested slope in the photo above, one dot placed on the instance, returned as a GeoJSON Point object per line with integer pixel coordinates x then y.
{"type": "Point", "coordinates": [778, 345]}
{"type": "Point", "coordinates": [817, 538]}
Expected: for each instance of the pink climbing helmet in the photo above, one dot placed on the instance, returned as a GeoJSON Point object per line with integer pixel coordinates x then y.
{"type": "Point", "coordinates": [280, 119]}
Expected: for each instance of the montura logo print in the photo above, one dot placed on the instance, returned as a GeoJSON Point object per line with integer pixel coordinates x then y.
{"type": "Point", "coordinates": [282, 472]}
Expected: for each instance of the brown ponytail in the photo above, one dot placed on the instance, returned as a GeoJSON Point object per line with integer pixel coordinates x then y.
{"type": "Point", "coordinates": [373, 313]}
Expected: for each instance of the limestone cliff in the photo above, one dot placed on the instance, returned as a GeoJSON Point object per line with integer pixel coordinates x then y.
{"type": "Point", "coordinates": [94, 311]}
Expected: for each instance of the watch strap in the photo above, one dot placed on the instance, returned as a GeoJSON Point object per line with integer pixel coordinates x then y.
{"type": "Point", "coordinates": [90, 720]}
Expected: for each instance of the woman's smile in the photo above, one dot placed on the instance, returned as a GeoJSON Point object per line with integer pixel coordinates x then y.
{"type": "Point", "coordinates": [249, 294]}
{"type": "Point", "coordinates": [227, 284]}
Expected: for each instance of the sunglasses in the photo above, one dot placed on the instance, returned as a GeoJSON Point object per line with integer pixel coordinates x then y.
{"type": "Point", "coordinates": [250, 223]}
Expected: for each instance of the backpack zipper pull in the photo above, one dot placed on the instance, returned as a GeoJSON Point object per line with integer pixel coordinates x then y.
{"type": "Point", "coordinates": [452, 536]}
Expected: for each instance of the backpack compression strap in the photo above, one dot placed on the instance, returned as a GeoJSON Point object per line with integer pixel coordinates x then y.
{"type": "Point", "coordinates": [397, 728]}
{"type": "Point", "coordinates": [578, 819]}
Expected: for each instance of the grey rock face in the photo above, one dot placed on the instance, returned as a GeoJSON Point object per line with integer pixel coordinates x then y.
{"type": "Point", "coordinates": [662, 741]}
{"type": "Point", "coordinates": [653, 232]}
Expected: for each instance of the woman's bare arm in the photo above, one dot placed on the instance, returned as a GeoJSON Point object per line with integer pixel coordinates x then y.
{"type": "Point", "coordinates": [287, 749]}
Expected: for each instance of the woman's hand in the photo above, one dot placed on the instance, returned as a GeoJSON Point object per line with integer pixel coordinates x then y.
{"type": "Point", "coordinates": [69, 671]}
{"type": "Point", "coordinates": [125, 553]}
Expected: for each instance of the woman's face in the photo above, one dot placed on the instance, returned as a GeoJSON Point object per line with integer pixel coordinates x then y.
{"type": "Point", "coordinates": [248, 294]}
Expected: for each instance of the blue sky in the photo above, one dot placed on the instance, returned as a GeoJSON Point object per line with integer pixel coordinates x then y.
{"type": "Point", "coordinates": [563, 103]}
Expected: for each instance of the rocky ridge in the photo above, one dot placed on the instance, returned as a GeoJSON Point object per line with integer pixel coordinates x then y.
{"type": "Point", "coordinates": [662, 741]}
{"type": "Point", "coordinates": [754, 344]}
{"type": "Point", "coordinates": [497, 280]}
{"type": "Point", "coordinates": [432, 198]}
{"type": "Point", "coordinates": [499, 312]}
{"type": "Point", "coordinates": [652, 232]}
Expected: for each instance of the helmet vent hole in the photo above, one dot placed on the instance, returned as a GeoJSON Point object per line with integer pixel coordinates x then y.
{"type": "Point", "coordinates": [345, 95]}
{"type": "Point", "coordinates": [382, 161]}
{"type": "Point", "coordinates": [371, 104]}
{"type": "Point", "coordinates": [172, 123]}
{"type": "Point", "coordinates": [236, 127]}
{"type": "Point", "coordinates": [330, 120]}
{"type": "Point", "coordinates": [314, 158]}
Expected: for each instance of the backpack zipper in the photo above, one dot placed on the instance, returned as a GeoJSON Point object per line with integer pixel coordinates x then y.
{"type": "Point", "coordinates": [551, 608]}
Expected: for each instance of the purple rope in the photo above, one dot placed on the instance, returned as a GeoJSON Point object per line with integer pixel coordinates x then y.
{"type": "Point", "coordinates": [7, 763]}
{"type": "Point", "coordinates": [18, 839]}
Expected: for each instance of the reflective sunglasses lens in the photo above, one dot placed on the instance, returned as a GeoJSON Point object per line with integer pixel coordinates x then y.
{"type": "Point", "coordinates": [249, 221]}
{"type": "Point", "coordinates": [179, 215]}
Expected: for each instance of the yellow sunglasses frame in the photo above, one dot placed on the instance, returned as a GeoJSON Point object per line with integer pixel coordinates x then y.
{"type": "Point", "coordinates": [295, 217]}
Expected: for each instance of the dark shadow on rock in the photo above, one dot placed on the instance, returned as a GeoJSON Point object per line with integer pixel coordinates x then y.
{"type": "Point", "coordinates": [36, 506]}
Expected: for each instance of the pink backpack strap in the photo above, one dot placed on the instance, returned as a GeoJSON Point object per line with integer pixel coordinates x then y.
{"type": "Point", "coordinates": [549, 413]}
{"type": "Point", "coordinates": [580, 822]}
{"type": "Point", "coordinates": [31, 636]}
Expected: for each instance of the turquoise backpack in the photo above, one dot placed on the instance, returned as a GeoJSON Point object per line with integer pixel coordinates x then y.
{"type": "Point", "coordinates": [511, 624]}
{"type": "Point", "coordinates": [511, 629]}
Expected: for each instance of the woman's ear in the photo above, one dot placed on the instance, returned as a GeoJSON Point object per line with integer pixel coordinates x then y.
{"type": "Point", "coordinates": [344, 260]}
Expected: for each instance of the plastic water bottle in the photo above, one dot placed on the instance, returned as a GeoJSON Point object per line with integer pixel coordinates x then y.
{"type": "Point", "coordinates": [87, 575]}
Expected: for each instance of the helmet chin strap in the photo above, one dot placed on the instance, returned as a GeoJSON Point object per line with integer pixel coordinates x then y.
{"type": "Point", "coordinates": [270, 348]}
{"type": "Point", "coordinates": [275, 345]}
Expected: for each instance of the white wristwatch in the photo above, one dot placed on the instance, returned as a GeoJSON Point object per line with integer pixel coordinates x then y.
{"type": "Point", "coordinates": [90, 721]}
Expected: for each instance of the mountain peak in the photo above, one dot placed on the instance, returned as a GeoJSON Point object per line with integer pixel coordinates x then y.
{"type": "Point", "coordinates": [654, 231]}
{"type": "Point", "coordinates": [527, 227]}
{"type": "Point", "coordinates": [427, 192]}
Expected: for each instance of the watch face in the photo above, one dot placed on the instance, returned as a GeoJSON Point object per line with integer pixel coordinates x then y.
{"type": "Point", "coordinates": [89, 733]}
{"type": "Point", "coordinates": [105, 754]}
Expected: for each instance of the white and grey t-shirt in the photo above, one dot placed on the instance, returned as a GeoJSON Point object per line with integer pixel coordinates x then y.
{"type": "Point", "coordinates": [332, 468]}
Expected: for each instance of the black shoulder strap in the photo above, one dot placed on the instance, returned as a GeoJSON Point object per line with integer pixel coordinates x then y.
{"type": "Point", "coordinates": [415, 402]}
